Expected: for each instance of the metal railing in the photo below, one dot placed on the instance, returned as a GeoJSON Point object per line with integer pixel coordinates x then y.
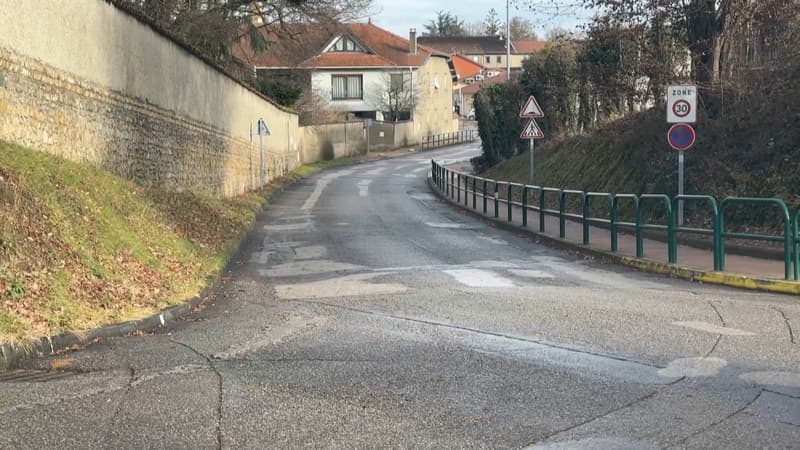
{"type": "Point", "coordinates": [445, 139]}
{"type": "Point", "coordinates": [453, 183]}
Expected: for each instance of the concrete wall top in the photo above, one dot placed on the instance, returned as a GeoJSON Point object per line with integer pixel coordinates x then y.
{"type": "Point", "coordinates": [96, 41]}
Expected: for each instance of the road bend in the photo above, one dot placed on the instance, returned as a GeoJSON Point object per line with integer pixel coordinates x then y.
{"type": "Point", "coordinates": [364, 312]}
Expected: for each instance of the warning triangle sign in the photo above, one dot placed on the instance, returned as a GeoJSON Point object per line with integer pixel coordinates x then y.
{"type": "Point", "coordinates": [531, 110]}
{"type": "Point", "coordinates": [532, 131]}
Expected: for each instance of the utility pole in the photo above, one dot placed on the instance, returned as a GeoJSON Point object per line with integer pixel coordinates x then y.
{"type": "Point", "coordinates": [508, 42]}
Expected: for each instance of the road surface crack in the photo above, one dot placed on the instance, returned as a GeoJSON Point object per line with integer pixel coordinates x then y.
{"type": "Point", "coordinates": [482, 332]}
{"type": "Point", "coordinates": [788, 325]}
{"type": "Point", "coordinates": [118, 409]}
{"type": "Point", "coordinates": [721, 321]}
{"type": "Point", "coordinates": [727, 417]}
{"type": "Point", "coordinates": [714, 347]}
{"type": "Point", "coordinates": [595, 418]}
{"type": "Point", "coordinates": [714, 307]}
{"type": "Point", "coordinates": [220, 396]}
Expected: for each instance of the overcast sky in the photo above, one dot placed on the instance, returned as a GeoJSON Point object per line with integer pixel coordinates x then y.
{"type": "Point", "coordinates": [400, 15]}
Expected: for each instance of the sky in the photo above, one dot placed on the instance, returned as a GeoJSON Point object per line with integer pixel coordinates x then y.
{"type": "Point", "coordinates": [398, 16]}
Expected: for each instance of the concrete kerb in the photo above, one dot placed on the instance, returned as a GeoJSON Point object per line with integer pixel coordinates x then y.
{"type": "Point", "coordinates": [11, 355]}
{"type": "Point", "coordinates": [644, 265]}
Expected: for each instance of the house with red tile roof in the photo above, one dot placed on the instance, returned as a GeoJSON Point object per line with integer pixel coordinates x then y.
{"type": "Point", "coordinates": [488, 51]}
{"type": "Point", "coordinates": [362, 70]}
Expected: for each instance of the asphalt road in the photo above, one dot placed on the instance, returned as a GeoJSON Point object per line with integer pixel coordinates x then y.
{"type": "Point", "coordinates": [365, 313]}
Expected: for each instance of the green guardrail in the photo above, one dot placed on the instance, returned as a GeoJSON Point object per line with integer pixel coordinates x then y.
{"type": "Point", "coordinates": [790, 238]}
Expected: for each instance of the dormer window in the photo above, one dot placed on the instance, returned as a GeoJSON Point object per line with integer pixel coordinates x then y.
{"type": "Point", "coordinates": [346, 44]}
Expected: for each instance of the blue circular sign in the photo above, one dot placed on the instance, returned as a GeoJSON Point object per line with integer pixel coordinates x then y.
{"type": "Point", "coordinates": [681, 136]}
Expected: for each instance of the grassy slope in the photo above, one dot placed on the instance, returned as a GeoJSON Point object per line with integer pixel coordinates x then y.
{"type": "Point", "coordinates": [746, 152]}
{"type": "Point", "coordinates": [80, 248]}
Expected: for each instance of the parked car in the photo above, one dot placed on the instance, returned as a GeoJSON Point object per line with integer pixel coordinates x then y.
{"type": "Point", "coordinates": [471, 114]}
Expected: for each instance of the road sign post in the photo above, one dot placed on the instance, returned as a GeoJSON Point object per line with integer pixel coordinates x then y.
{"type": "Point", "coordinates": [681, 137]}
{"type": "Point", "coordinates": [531, 110]}
{"type": "Point", "coordinates": [262, 130]}
{"type": "Point", "coordinates": [682, 111]}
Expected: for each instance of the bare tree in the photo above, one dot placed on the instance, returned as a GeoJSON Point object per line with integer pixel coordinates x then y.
{"type": "Point", "coordinates": [395, 96]}
{"type": "Point", "coordinates": [210, 26]}
{"type": "Point", "coordinates": [522, 30]}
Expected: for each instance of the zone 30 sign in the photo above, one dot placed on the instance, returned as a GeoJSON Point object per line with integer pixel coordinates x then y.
{"type": "Point", "coordinates": [681, 104]}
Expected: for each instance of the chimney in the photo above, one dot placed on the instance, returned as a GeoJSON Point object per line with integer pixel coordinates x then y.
{"type": "Point", "coordinates": [412, 41]}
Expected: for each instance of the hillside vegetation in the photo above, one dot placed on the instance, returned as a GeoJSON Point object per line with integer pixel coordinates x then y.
{"type": "Point", "coordinates": [80, 248]}
{"type": "Point", "coordinates": [752, 149]}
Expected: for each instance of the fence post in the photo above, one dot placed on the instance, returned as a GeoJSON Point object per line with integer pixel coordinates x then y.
{"type": "Point", "coordinates": [525, 206]}
{"type": "Point", "coordinates": [466, 190]}
{"type": "Point", "coordinates": [484, 195]}
{"type": "Point", "coordinates": [541, 209]}
{"type": "Point", "coordinates": [562, 224]}
{"type": "Point", "coordinates": [496, 200]}
{"type": "Point", "coordinates": [474, 192]}
{"type": "Point", "coordinates": [458, 188]}
{"type": "Point", "coordinates": [612, 226]}
{"type": "Point", "coordinates": [639, 242]}
{"type": "Point", "coordinates": [585, 221]}
{"type": "Point", "coordinates": [510, 186]}
{"type": "Point", "coordinates": [672, 243]}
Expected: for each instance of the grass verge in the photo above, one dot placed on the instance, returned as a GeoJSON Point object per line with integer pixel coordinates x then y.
{"type": "Point", "coordinates": [81, 248]}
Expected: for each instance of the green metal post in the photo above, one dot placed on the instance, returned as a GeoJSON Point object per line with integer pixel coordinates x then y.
{"type": "Point", "coordinates": [524, 206]}
{"type": "Point", "coordinates": [510, 186]}
{"type": "Point", "coordinates": [474, 191]}
{"type": "Point", "coordinates": [496, 200]}
{"type": "Point", "coordinates": [639, 242]}
{"type": "Point", "coordinates": [541, 210]}
{"type": "Point", "coordinates": [458, 188]}
{"type": "Point", "coordinates": [612, 226]}
{"type": "Point", "coordinates": [466, 190]}
{"type": "Point", "coordinates": [796, 238]}
{"type": "Point", "coordinates": [484, 195]}
{"type": "Point", "coordinates": [562, 224]}
{"type": "Point", "coordinates": [585, 221]}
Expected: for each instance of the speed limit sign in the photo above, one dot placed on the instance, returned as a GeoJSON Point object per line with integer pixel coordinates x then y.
{"type": "Point", "coordinates": [681, 104]}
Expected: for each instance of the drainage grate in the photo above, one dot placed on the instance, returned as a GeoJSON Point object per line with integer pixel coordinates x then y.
{"type": "Point", "coordinates": [32, 376]}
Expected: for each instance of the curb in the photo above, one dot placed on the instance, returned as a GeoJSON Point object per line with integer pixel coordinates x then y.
{"type": "Point", "coordinates": [673, 270]}
{"type": "Point", "coordinates": [11, 355]}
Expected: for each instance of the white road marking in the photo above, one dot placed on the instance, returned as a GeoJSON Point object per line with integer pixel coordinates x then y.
{"type": "Point", "coordinates": [596, 276]}
{"type": "Point", "coordinates": [375, 171]}
{"type": "Point", "coordinates": [784, 379]}
{"type": "Point", "coordinates": [410, 175]}
{"type": "Point", "coordinates": [452, 226]}
{"type": "Point", "coordinates": [288, 226]}
{"type": "Point", "coordinates": [349, 286]}
{"type": "Point", "coordinates": [693, 367]}
{"type": "Point", "coordinates": [311, 252]}
{"type": "Point", "coordinates": [492, 240]}
{"type": "Point", "coordinates": [714, 329]}
{"type": "Point", "coordinates": [423, 197]}
{"type": "Point", "coordinates": [420, 169]}
{"type": "Point", "coordinates": [531, 273]}
{"type": "Point", "coordinates": [322, 183]}
{"type": "Point", "coordinates": [363, 187]}
{"type": "Point", "coordinates": [479, 278]}
{"type": "Point", "coordinates": [297, 268]}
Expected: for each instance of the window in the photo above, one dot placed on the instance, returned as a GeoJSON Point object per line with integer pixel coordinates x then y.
{"type": "Point", "coordinates": [346, 87]}
{"type": "Point", "coordinates": [488, 60]}
{"type": "Point", "coordinates": [499, 59]}
{"type": "Point", "coordinates": [345, 44]}
{"type": "Point", "coordinates": [397, 82]}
